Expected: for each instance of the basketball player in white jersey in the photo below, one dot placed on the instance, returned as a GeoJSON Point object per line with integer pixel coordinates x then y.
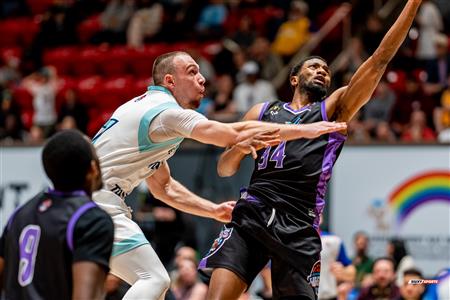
{"type": "Point", "coordinates": [142, 135]}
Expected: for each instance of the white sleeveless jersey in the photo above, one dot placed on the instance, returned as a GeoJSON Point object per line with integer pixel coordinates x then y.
{"type": "Point", "coordinates": [127, 155]}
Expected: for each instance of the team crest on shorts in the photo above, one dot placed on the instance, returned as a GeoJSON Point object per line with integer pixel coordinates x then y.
{"type": "Point", "coordinates": [314, 276]}
{"type": "Point", "coordinates": [224, 235]}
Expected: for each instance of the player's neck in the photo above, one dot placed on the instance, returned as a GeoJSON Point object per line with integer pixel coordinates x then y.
{"type": "Point", "coordinates": [300, 100]}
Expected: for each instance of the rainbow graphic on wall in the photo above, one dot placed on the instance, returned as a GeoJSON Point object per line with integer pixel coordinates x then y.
{"type": "Point", "coordinates": [427, 187]}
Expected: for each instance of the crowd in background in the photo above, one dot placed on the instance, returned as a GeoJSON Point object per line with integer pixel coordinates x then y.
{"type": "Point", "coordinates": [241, 47]}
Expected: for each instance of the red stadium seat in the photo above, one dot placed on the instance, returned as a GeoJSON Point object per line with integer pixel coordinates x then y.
{"type": "Point", "coordinates": [87, 62]}
{"type": "Point", "coordinates": [114, 93]}
{"type": "Point", "coordinates": [88, 28]}
{"type": "Point", "coordinates": [113, 62]}
{"type": "Point", "coordinates": [88, 90]}
{"type": "Point", "coordinates": [62, 59]}
{"type": "Point", "coordinates": [23, 98]}
{"type": "Point", "coordinates": [141, 61]}
{"type": "Point", "coordinates": [39, 6]}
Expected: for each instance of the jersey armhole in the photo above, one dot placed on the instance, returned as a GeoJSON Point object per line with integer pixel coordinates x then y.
{"type": "Point", "coordinates": [263, 110]}
{"type": "Point", "coordinates": [73, 221]}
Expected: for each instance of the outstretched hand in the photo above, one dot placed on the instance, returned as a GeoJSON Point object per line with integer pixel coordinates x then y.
{"type": "Point", "coordinates": [258, 141]}
{"type": "Point", "coordinates": [222, 212]}
{"type": "Point", "coordinates": [317, 129]}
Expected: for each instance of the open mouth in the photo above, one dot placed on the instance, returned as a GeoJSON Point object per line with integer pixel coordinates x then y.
{"type": "Point", "coordinates": [320, 80]}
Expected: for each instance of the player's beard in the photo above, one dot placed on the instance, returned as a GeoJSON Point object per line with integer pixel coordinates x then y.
{"type": "Point", "coordinates": [315, 92]}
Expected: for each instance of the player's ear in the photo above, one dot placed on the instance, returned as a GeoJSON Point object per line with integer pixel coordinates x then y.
{"type": "Point", "coordinates": [94, 177]}
{"type": "Point", "coordinates": [169, 80]}
{"type": "Point", "coordinates": [294, 81]}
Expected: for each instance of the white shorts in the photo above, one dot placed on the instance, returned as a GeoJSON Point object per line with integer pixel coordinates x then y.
{"type": "Point", "coordinates": [127, 234]}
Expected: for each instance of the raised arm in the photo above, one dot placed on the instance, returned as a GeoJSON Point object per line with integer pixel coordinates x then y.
{"type": "Point", "coordinates": [165, 188]}
{"type": "Point", "coordinates": [345, 102]}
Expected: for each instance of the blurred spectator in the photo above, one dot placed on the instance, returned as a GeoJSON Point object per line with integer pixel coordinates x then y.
{"type": "Point", "coordinates": [145, 23]}
{"type": "Point", "coordinates": [384, 133]}
{"type": "Point", "coordinates": [335, 269]}
{"type": "Point", "coordinates": [350, 58]}
{"type": "Point", "coordinates": [9, 72]}
{"type": "Point", "coordinates": [183, 16]}
{"type": "Point", "coordinates": [442, 289]}
{"type": "Point", "coordinates": [271, 63]}
{"type": "Point", "coordinates": [383, 286]}
{"type": "Point", "coordinates": [11, 127]}
{"type": "Point", "coordinates": [223, 108]}
{"type": "Point", "coordinates": [411, 98]}
{"type": "Point", "coordinates": [254, 90]}
{"type": "Point", "coordinates": [206, 68]}
{"type": "Point", "coordinates": [357, 131]}
{"type": "Point", "coordinates": [114, 21]}
{"type": "Point", "coordinates": [13, 8]}
{"type": "Point", "coordinates": [75, 110]}
{"type": "Point", "coordinates": [293, 33]}
{"type": "Point", "coordinates": [438, 69]}
{"type": "Point", "coordinates": [36, 136]}
{"type": "Point", "coordinates": [266, 292]}
{"type": "Point", "coordinates": [410, 291]}
{"type": "Point", "coordinates": [362, 262]}
{"type": "Point", "coordinates": [442, 116]}
{"type": "Point", "coordinates": [187, 286]}
{"type": "Point", "coordinates": [379, 108]}
{"type": "Point", "coordinates": [396, 250]}
{"type": "Point", "coordinates": [372, 34]}
{"type": "Point", "coordinates": [245, 35]}
{"type": "Point", "coordinates": [211, 19]}
{"type": "Point", "coordinates": [43, 86]}
{"type": "Point", "coordinates": [56, 28]}
{"type": "Point", "coordinates": [430, 23]}
{"type": "Point", "coordinates": [417, 130]}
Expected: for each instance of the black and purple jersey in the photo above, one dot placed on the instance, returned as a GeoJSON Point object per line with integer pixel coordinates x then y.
{"type": "Point", "coordinates": [293, 176]}
{"type": "Point", "coordinates": [43, 238]}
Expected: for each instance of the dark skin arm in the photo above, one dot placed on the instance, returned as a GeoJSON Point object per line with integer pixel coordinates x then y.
{"type": "Point", "coordinates": [343, 104]}
{"type": "Point", "coordinates": [88, 281]}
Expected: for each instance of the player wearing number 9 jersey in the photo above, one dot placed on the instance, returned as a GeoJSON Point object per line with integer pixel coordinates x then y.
{"type": "Point", "coordinates": [58, 245]}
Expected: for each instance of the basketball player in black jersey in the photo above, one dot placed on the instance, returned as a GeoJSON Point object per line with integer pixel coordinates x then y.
{"type": "Point", "coordinates": [57, 245]}
{"type": "Point", "coordinates": [277, 216]}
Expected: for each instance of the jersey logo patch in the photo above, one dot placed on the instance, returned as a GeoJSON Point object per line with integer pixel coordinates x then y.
{"type": "Point", "coordinates": [45, 205]}
{"type": "Point", "coordinates": [314, 277]}
{"type": "Point", "coordinates": [224, 235]}
{"type": "Point", "coordinates": [274, 110]}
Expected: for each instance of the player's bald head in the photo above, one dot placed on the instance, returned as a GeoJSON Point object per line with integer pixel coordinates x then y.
{"type": "Point", "coordinates": [164, 64]}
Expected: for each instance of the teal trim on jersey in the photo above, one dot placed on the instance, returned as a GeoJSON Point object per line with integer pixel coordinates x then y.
{"type": "Point", "coordinates": [129, 244]}
{"type": "Point", "coordinates": [145, 144]}
{"type": "Point", "coordinates": [159, 89]}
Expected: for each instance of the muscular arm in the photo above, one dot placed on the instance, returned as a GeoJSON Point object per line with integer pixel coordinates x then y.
{"type": "Point", "coordinates": [345, 102]}
{"type": "Point", "coordinates": [227, 135]}
{"type": "Point", "coordinates": [165, 188]}
{"type": "Point", "coordinates": [88, 280]}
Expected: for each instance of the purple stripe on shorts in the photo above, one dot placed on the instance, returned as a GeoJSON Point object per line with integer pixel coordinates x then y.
{"type": "Point", "coordinates": [263, 109]}
{"type": "Point", "coordinates": [73, 220]}
{"type": "Point", "coordinates": [202, 263]}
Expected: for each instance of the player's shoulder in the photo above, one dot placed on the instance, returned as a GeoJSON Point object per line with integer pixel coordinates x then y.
{"type": "Point", "coordinates": [258, 110]}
